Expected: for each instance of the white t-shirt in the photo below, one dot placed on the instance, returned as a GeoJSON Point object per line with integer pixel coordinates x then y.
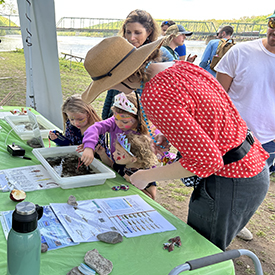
{"type": "Point", "coordinates": [252, 90]}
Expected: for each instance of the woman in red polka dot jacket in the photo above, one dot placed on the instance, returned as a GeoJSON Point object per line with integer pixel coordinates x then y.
{"type": "Point", "coordinates": [193, 112]}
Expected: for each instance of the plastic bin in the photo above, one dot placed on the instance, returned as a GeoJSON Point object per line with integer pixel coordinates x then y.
{"type": "Point", "coordinates": [74, 181]}
{"type": "Point", "coordinates": [18, 123]}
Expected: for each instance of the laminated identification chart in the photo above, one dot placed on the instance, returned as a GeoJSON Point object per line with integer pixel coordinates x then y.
{"type": "Point", "coordinates": [27, 178]}
{"type": "Point", "coordinates": [52, 232]}
{"type": "Point", "coordinates": [62, 224]}
{"type": "Point", "coordinates": [83, 222]}
{"type": "Point", "coordinates": [133, 216]}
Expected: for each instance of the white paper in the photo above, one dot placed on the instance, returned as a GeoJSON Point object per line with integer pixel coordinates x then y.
{"type": "Point", "coordinates": [52, 232]}
{"type": "Point", "coordinates": [134, 216]}
{"type": "Point", "coordinates": [131, 216]}
{"type": "Point", "coordinates": [27, 178]}
{"type": "Point", "coordinates": [84, 222]}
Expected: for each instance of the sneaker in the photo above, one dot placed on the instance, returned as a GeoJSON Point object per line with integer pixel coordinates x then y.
{"type": "Point", "coordinates": [245, 234]}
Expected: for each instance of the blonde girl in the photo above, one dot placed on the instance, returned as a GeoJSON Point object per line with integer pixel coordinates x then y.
{"type": "Point", "coordinates": [77, 117]}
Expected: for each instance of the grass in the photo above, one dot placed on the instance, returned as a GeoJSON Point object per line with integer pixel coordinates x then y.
{"type": "Point", "coordinates": [74, 79]}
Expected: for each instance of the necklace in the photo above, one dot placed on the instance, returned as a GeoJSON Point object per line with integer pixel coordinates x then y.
{"type": "Point", "coordinates": [143, 112]}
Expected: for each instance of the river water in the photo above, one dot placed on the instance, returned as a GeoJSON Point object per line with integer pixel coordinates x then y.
{"type": "Point", "coordinates": [79, 45]}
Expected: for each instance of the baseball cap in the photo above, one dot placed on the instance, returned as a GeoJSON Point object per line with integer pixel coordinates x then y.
{"type": "Point", "coordinates": [177, 30]}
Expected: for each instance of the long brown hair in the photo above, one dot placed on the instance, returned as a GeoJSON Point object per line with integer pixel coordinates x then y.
{"type": "Point", "coordinates": [146, 20]}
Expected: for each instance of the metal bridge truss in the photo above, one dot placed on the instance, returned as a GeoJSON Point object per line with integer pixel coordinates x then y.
{"type": "Point", "coordinates": [110, 26]}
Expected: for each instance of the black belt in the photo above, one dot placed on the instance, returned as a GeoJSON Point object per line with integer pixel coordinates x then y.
{"type": "Point", "coordinates": [239, 152]}
{"type": "Point", "coordinates": [234, 154]}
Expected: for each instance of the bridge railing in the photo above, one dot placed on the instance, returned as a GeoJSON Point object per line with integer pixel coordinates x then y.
{"type": "Point", "coordinates": [111, 25]}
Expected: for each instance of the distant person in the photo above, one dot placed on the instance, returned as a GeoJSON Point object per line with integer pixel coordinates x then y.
{"type": "Point", "coordinates": [247, 73]}
{"type": "Point", "coordinates": [210, 37]}
{"type": "Point", "coordinates": [139, 28]}
{"type": "Point", "coordinates": [181, 50]}
{"type": "Point", "coordinates": [174, 37]}
{"type": "Point", "coordinates": [211, 48]}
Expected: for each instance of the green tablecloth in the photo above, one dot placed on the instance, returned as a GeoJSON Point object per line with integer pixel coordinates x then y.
{"type": "Point", "coordinates": [139, 255]}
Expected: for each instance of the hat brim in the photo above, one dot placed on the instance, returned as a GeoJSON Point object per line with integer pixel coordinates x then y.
{"type": "Point", "coordinates": [121, 72]}
{"type": "Point", "coordinates": [271, 16]}
{"type": "Point", "coordinates": [187, 33]}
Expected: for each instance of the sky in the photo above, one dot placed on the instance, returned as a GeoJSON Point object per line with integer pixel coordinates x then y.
{"type": "Point", "coordinates": [164, 9]}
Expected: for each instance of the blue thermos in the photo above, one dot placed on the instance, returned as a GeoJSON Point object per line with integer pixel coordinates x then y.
{"type": "Point", "coordinates": [24, 240]}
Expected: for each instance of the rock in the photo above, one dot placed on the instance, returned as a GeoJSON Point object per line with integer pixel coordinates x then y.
{"type": "Point", "coordinates": [72, 201]}
{"type": "Point", "coordinates": [44, 247]}
{"type": "Point", "coordinates": [34, 143]}
{"type": "Point", "coordinates": [74, 271]}
{"type": "Point", "coordinates": [110, 237]}
{"type": "Point", "coordinates": [95, 261]}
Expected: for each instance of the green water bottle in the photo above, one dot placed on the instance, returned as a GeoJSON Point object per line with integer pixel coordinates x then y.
{"type": "Point", "coordinates": [24, 240]}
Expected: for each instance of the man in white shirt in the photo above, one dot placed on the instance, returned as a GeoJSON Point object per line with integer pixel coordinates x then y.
{"type": "Point", "coordinates": [247, 73]}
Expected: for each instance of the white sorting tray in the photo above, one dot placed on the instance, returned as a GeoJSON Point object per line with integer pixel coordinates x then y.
{"type": "Point", "coordinates": [76, 181]}
{"type": "Point", "coordinates": [18, 124]}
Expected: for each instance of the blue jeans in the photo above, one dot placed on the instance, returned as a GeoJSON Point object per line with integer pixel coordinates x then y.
{"type": "Point", "coordinates": [220, 207]}
{"type": "Point", "coordinates": [270, 148]}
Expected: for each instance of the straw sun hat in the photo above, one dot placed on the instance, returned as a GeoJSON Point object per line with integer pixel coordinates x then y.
{"type": "Point", "coordinates": [112, 61]}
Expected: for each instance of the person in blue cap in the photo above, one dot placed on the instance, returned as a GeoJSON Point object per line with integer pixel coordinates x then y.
{"type": "Point", "coordinates": [247, 73]}
{"type": "Point", "coordinates": [181, 50]}
{"type": "Point", "coordinates": [174, 37]}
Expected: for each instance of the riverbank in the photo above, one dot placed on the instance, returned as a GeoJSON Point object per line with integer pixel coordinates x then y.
{"type": "Point", "coordinates": [172, 195]}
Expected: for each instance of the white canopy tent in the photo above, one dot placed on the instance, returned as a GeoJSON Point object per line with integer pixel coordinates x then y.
{"type": "Point", "coordinates": [38, 29]}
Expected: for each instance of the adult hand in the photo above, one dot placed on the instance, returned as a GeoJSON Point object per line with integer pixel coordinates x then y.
{"type": "Point", "coordinates": [161, 140]}
{"type": "Point", "coordinates": [191, 58]}
{"type": "Point", "coordinates": [139, 179]}
{"type": "Point", "coordinates": [87, 156]}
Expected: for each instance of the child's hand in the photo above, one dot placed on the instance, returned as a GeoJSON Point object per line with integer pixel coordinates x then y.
{"type": "Point", "coordinates": [87, 156]}
{"type": "Point", "coordinates": [52, 135]}
{"type": "Point", "coordinates": [79, 148]}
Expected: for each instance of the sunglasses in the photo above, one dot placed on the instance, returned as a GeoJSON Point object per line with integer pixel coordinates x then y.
{"type": "Point", "coordinates": [271, 24]}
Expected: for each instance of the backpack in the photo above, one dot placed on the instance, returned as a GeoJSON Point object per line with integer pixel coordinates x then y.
{"type": "Point", "coordinates": [223, 47]}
